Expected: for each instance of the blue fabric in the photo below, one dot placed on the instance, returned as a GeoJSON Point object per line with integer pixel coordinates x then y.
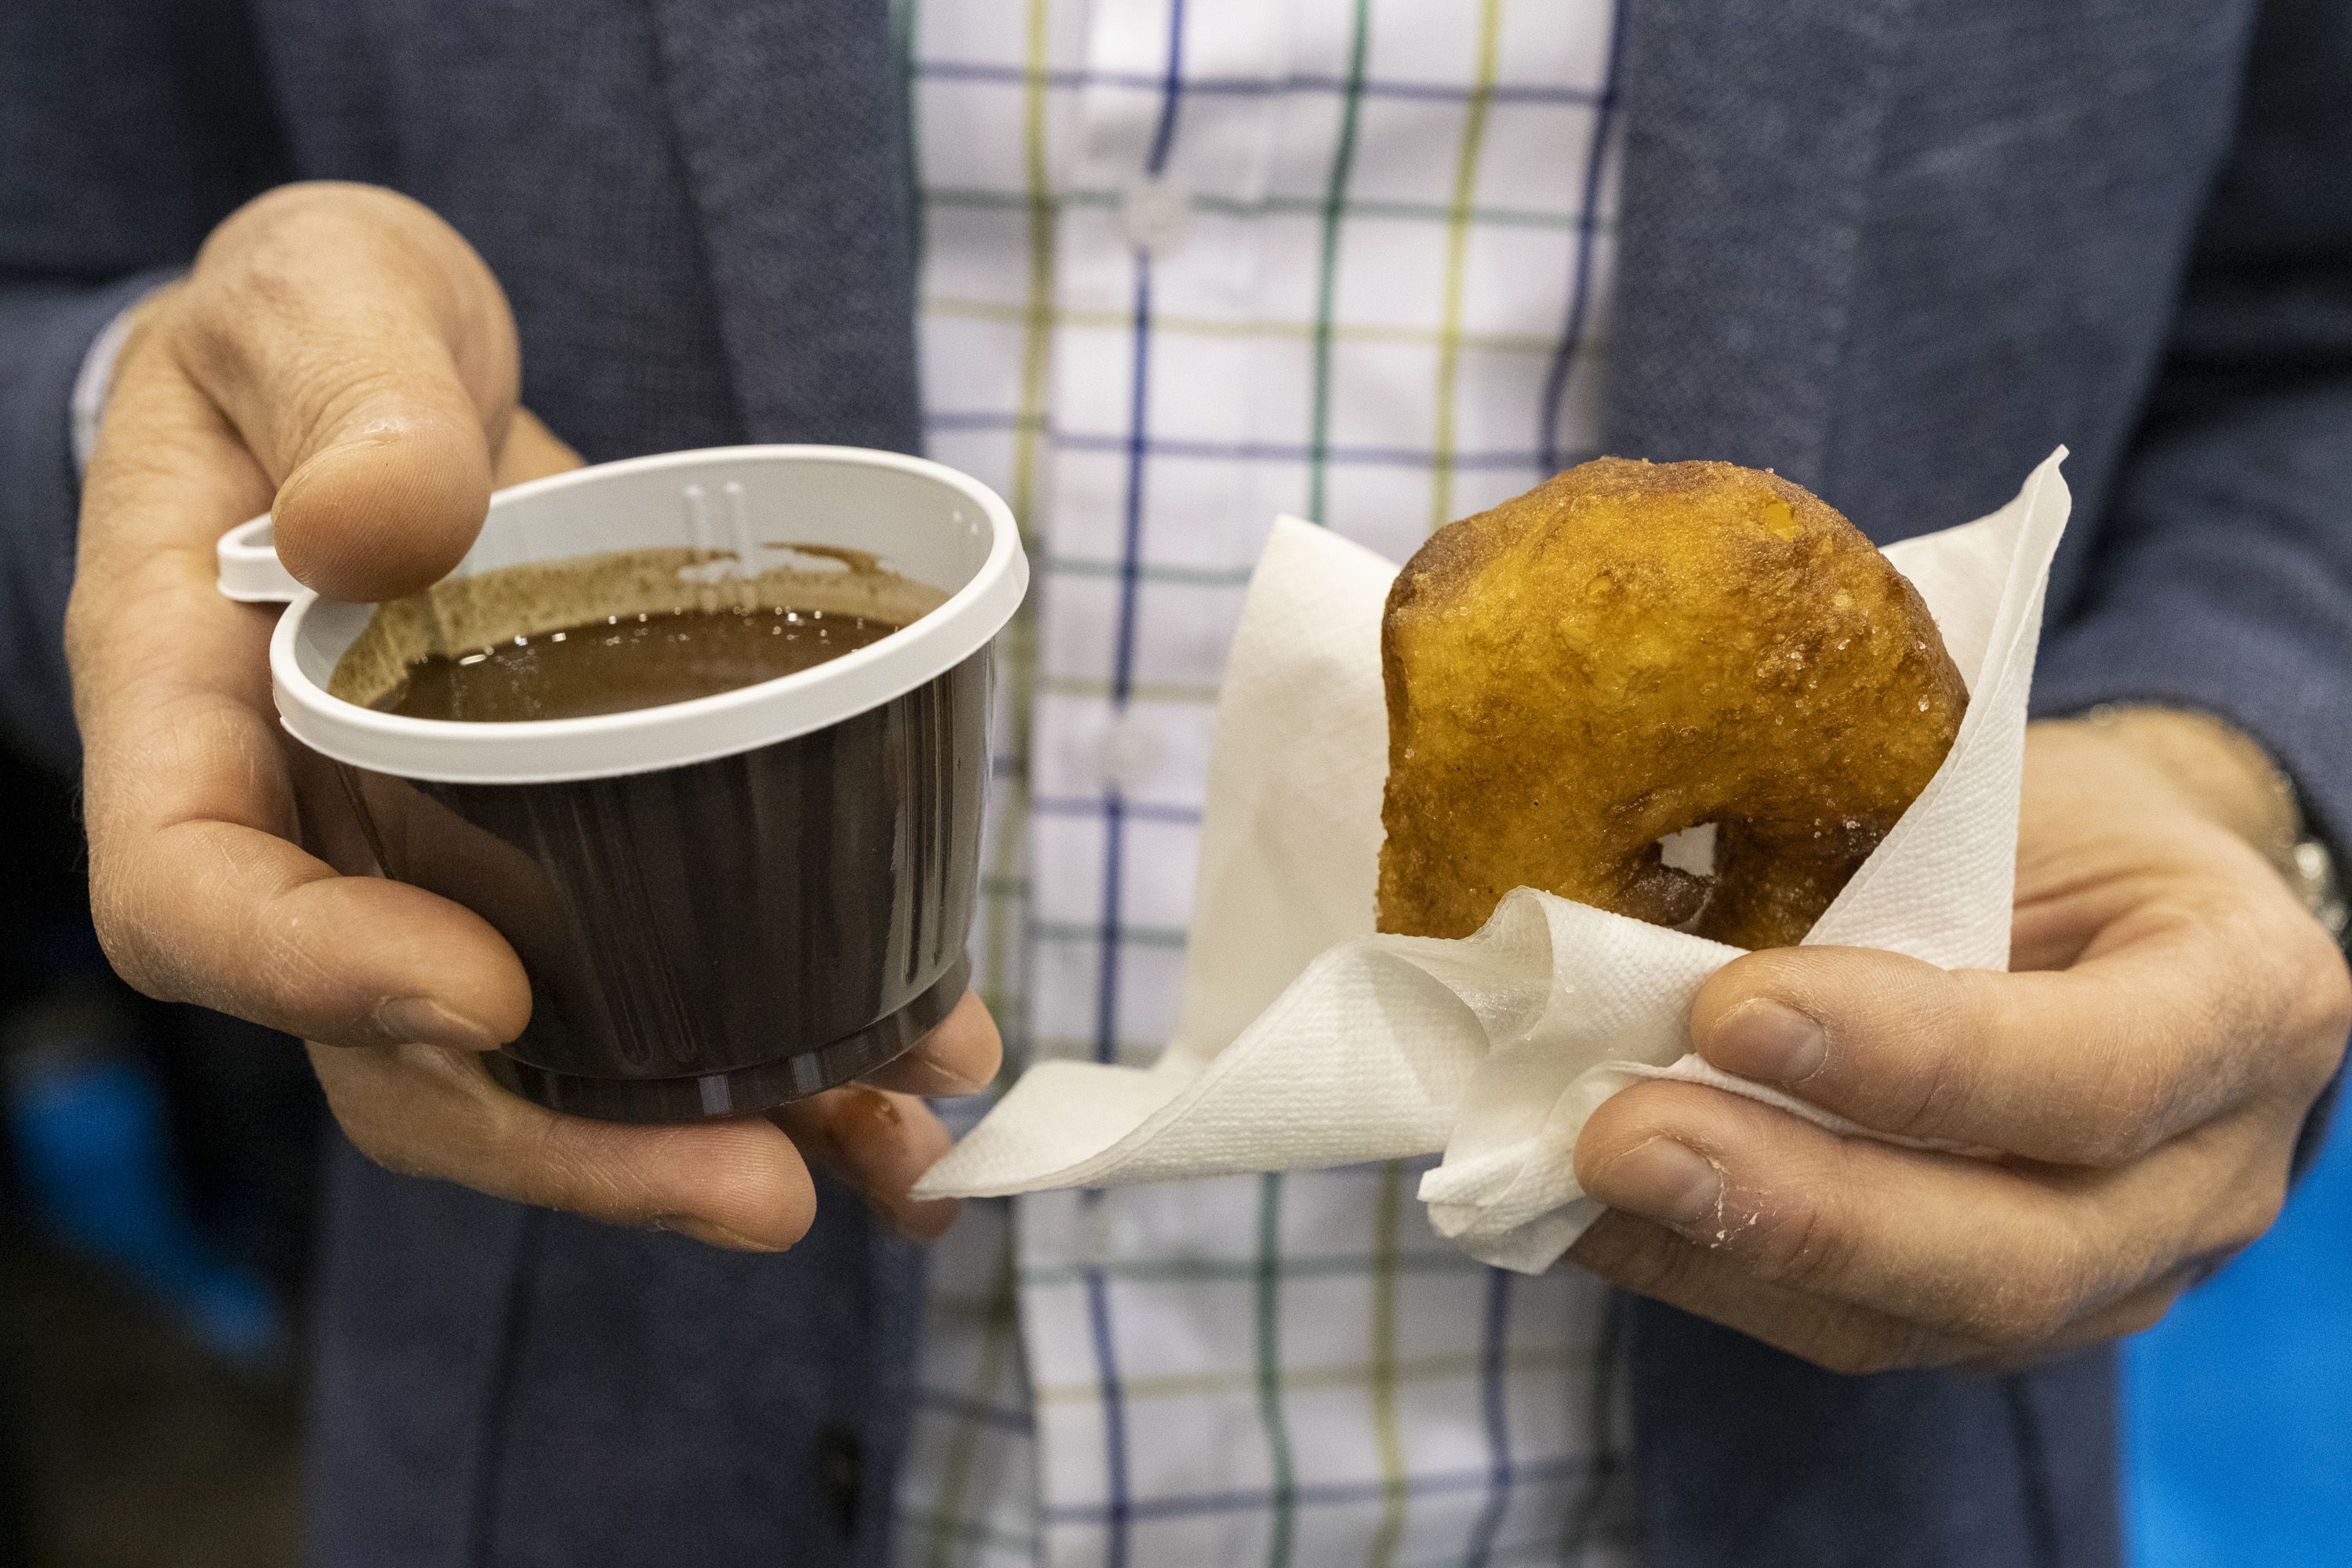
{"type": "Point", "coordinates": [93, 1150]}
{"type": "Point", "coordinates": [504, 1385]}
{"type": "Point", "coordinates": [2236, 1449]}
{"type": "Point", "coordinates": [1897, 248]}
{"type": "Point", "coordinates": [127, 130]}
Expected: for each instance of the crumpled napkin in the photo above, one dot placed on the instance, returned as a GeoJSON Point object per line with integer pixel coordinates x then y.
{"type": "Point", "coordinates": [1306, 1040]}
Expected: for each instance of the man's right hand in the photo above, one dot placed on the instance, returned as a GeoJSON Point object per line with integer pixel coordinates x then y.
{"type": "Point", "coordinates": [340, 357]}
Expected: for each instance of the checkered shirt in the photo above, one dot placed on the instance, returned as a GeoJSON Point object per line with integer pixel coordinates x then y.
{"type": "Point", "coordinates": [1188, 264]}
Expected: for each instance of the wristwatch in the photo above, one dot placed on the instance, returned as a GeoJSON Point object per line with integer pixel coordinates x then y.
{"type": "Point", "coordinates": [2304, 858]}
{"type": "Point", "coordinates": [2311, 872]}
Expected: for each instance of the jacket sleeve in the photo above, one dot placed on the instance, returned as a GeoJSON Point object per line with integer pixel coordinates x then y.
{"type": "Point", "coordinates": [2224, 577]}
{"type": "Point", "coordinates": [2224, 573]}
{"type": "Point", "coordinates": [128, 128]}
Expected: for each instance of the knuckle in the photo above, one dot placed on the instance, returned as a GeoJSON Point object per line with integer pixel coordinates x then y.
{"type": "Point", "coordinates": [304, 215]}
{"type": "Point", "coordinates": [321, 395]}
{"type": "Point", "coordinates": [2016, 1316]}
{"type": "Point", "coordinates": [2046, 1314]}
{"type": "Point", "coordinates": [1938, 1096]}
{"type": "Point", "coordinates": [560, 1171]}
{"type": "Point", "coordinates": [2331, 996]}
{"type": "Point", "coordinates": [2030, 1310]}
{"type": "Point", "coordinates": [1639, 1256]}
{"type": "Point", "coordinates": [2143, 1313]}
{"type": "Point", "coordinates": [2294, 995]}
{"type": "Point", "coordinates": [158, 320]}
{"type": "Point", "coordinates": [370, 1118]}
{"type": "Point", "coordinates": [1661, 1266]}
{"type": "Point", "coordinates": [401, 1156]}
{"type": "Point", "coordinates": [129, 947]}
{"type": "Point", "coordinates": [1934, 1079]}
{"type": "Point", "coordinates": [2129, 1109]}
{"type": "Point", "coordinates": [131, 958]}
{"type": "Point", "coordinates": [211, 335]}
{"type": "Point", "coordinates": [2320, 1016]}
{"type": "Point", "coordinates": [2253, 1209]}
{"type": "Point", "coordinates": [1801, 1244]}
{"type": "Point", "coordinates": [583, 1188]}
{"type": "Point", "coordinates": [266, 265]}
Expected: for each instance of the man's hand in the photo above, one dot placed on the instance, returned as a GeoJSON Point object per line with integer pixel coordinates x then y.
{"type": "Point", "coordinates": [342, 357]}
{"type": "Point", "coordinates": [2143, 1071]}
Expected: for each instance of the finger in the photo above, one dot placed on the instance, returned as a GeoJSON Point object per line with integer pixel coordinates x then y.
{"type": "Point", "coordinates": [878, 1142]}
{"type": "Point", "coordinates": [366, 358]}
{"type": "Point", "coordinates": [532, 451]}
{"type": "Point", "coordinates": [960, 1056]}
{"type": "Point", "coordinates": [1651, 1260]}
{"type": "Point", "coordinates": [272, 939]}
{"type": "Point", "coordinates": [199, 891]}
{"type": "Point", "coordinates": [2092, 1065]}
{"type": "Point", "coordinates": [429, 1112]}
{"type": "Point", "coordinates": [1999, 1255]}
{"type": "Point", "coordinates": [200, 895]}
{"type": "Point", "coordinates": [2135, 1313]}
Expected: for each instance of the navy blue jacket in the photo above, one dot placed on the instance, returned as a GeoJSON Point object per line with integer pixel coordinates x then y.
{"type": "Point", "coordinates": [1896, 249]}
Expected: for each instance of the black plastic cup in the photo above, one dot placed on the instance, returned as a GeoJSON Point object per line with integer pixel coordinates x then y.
{"type": "Point", "coordinates": [722, 904]}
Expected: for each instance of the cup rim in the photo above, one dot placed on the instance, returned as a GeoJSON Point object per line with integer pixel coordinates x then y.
{"type": "Point", "coordinates": [675, 734]}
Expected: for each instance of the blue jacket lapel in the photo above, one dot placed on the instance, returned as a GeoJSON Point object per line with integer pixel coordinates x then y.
{"type": "Point", "coordinates": [1751, 130]}
{"type": "Point", "coordinates": [792, 132]}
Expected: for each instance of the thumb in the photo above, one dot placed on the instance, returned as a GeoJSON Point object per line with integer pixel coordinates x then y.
{"type": "Point", "coordinates": [367, 359]}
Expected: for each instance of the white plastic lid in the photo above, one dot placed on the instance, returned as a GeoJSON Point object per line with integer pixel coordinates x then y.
{"type": "Point", "coordinates": [923, 520]}
{"type": "Point", "coordinates": [250, 572]}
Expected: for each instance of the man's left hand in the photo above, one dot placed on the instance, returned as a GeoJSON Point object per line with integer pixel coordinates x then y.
{"type": "Point", "coordinates": [2142, 1071]}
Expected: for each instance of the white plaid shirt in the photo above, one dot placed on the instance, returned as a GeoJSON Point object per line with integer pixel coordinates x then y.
{"type": "Point", "coordinates": [1188, 264]}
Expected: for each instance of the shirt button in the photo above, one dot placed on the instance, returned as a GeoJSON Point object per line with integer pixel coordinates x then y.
{"type": "Point", "coordinates": [1155, 214]}
{"type": "Point", "coordinates": [1127, 754]}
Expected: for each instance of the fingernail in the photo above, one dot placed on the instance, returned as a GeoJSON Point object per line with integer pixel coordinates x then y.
{"type": "Point", "coordinates": [422, 1020]}
{"type": "Point", "coordinates": [1663, 1181]}
{"type": "Point", "coordinates": [1769, 1042]}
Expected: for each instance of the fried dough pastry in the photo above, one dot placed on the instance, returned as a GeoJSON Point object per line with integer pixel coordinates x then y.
{"type": "Point", "coordinates": [1631, 649]}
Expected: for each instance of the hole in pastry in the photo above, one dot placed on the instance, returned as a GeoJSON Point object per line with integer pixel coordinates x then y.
{"type": "Point", "coordinates": [1692, 849]}
{"type": "Point", "coordinates": [1691, 852]}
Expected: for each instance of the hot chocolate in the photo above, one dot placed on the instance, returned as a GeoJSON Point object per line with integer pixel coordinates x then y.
{"type": "Point", "coordinates": [607, 634]}
{"type": "Point", "coordinates": [623, 662]}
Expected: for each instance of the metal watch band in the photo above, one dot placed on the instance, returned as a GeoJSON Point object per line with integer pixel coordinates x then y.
{"type": "Point", "coordinates": [2311, 870]}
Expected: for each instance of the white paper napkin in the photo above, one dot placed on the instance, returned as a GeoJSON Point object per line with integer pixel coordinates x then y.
{"type": "Point", "coordinates": [1306, 1040]}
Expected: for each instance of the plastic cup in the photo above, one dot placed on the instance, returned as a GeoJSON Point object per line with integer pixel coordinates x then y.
{"type": "Point", "coordinates": [726, 903]}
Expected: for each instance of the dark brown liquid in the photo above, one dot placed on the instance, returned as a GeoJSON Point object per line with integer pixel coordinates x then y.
{"type": "Point", "coordinates": [627, 662]}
